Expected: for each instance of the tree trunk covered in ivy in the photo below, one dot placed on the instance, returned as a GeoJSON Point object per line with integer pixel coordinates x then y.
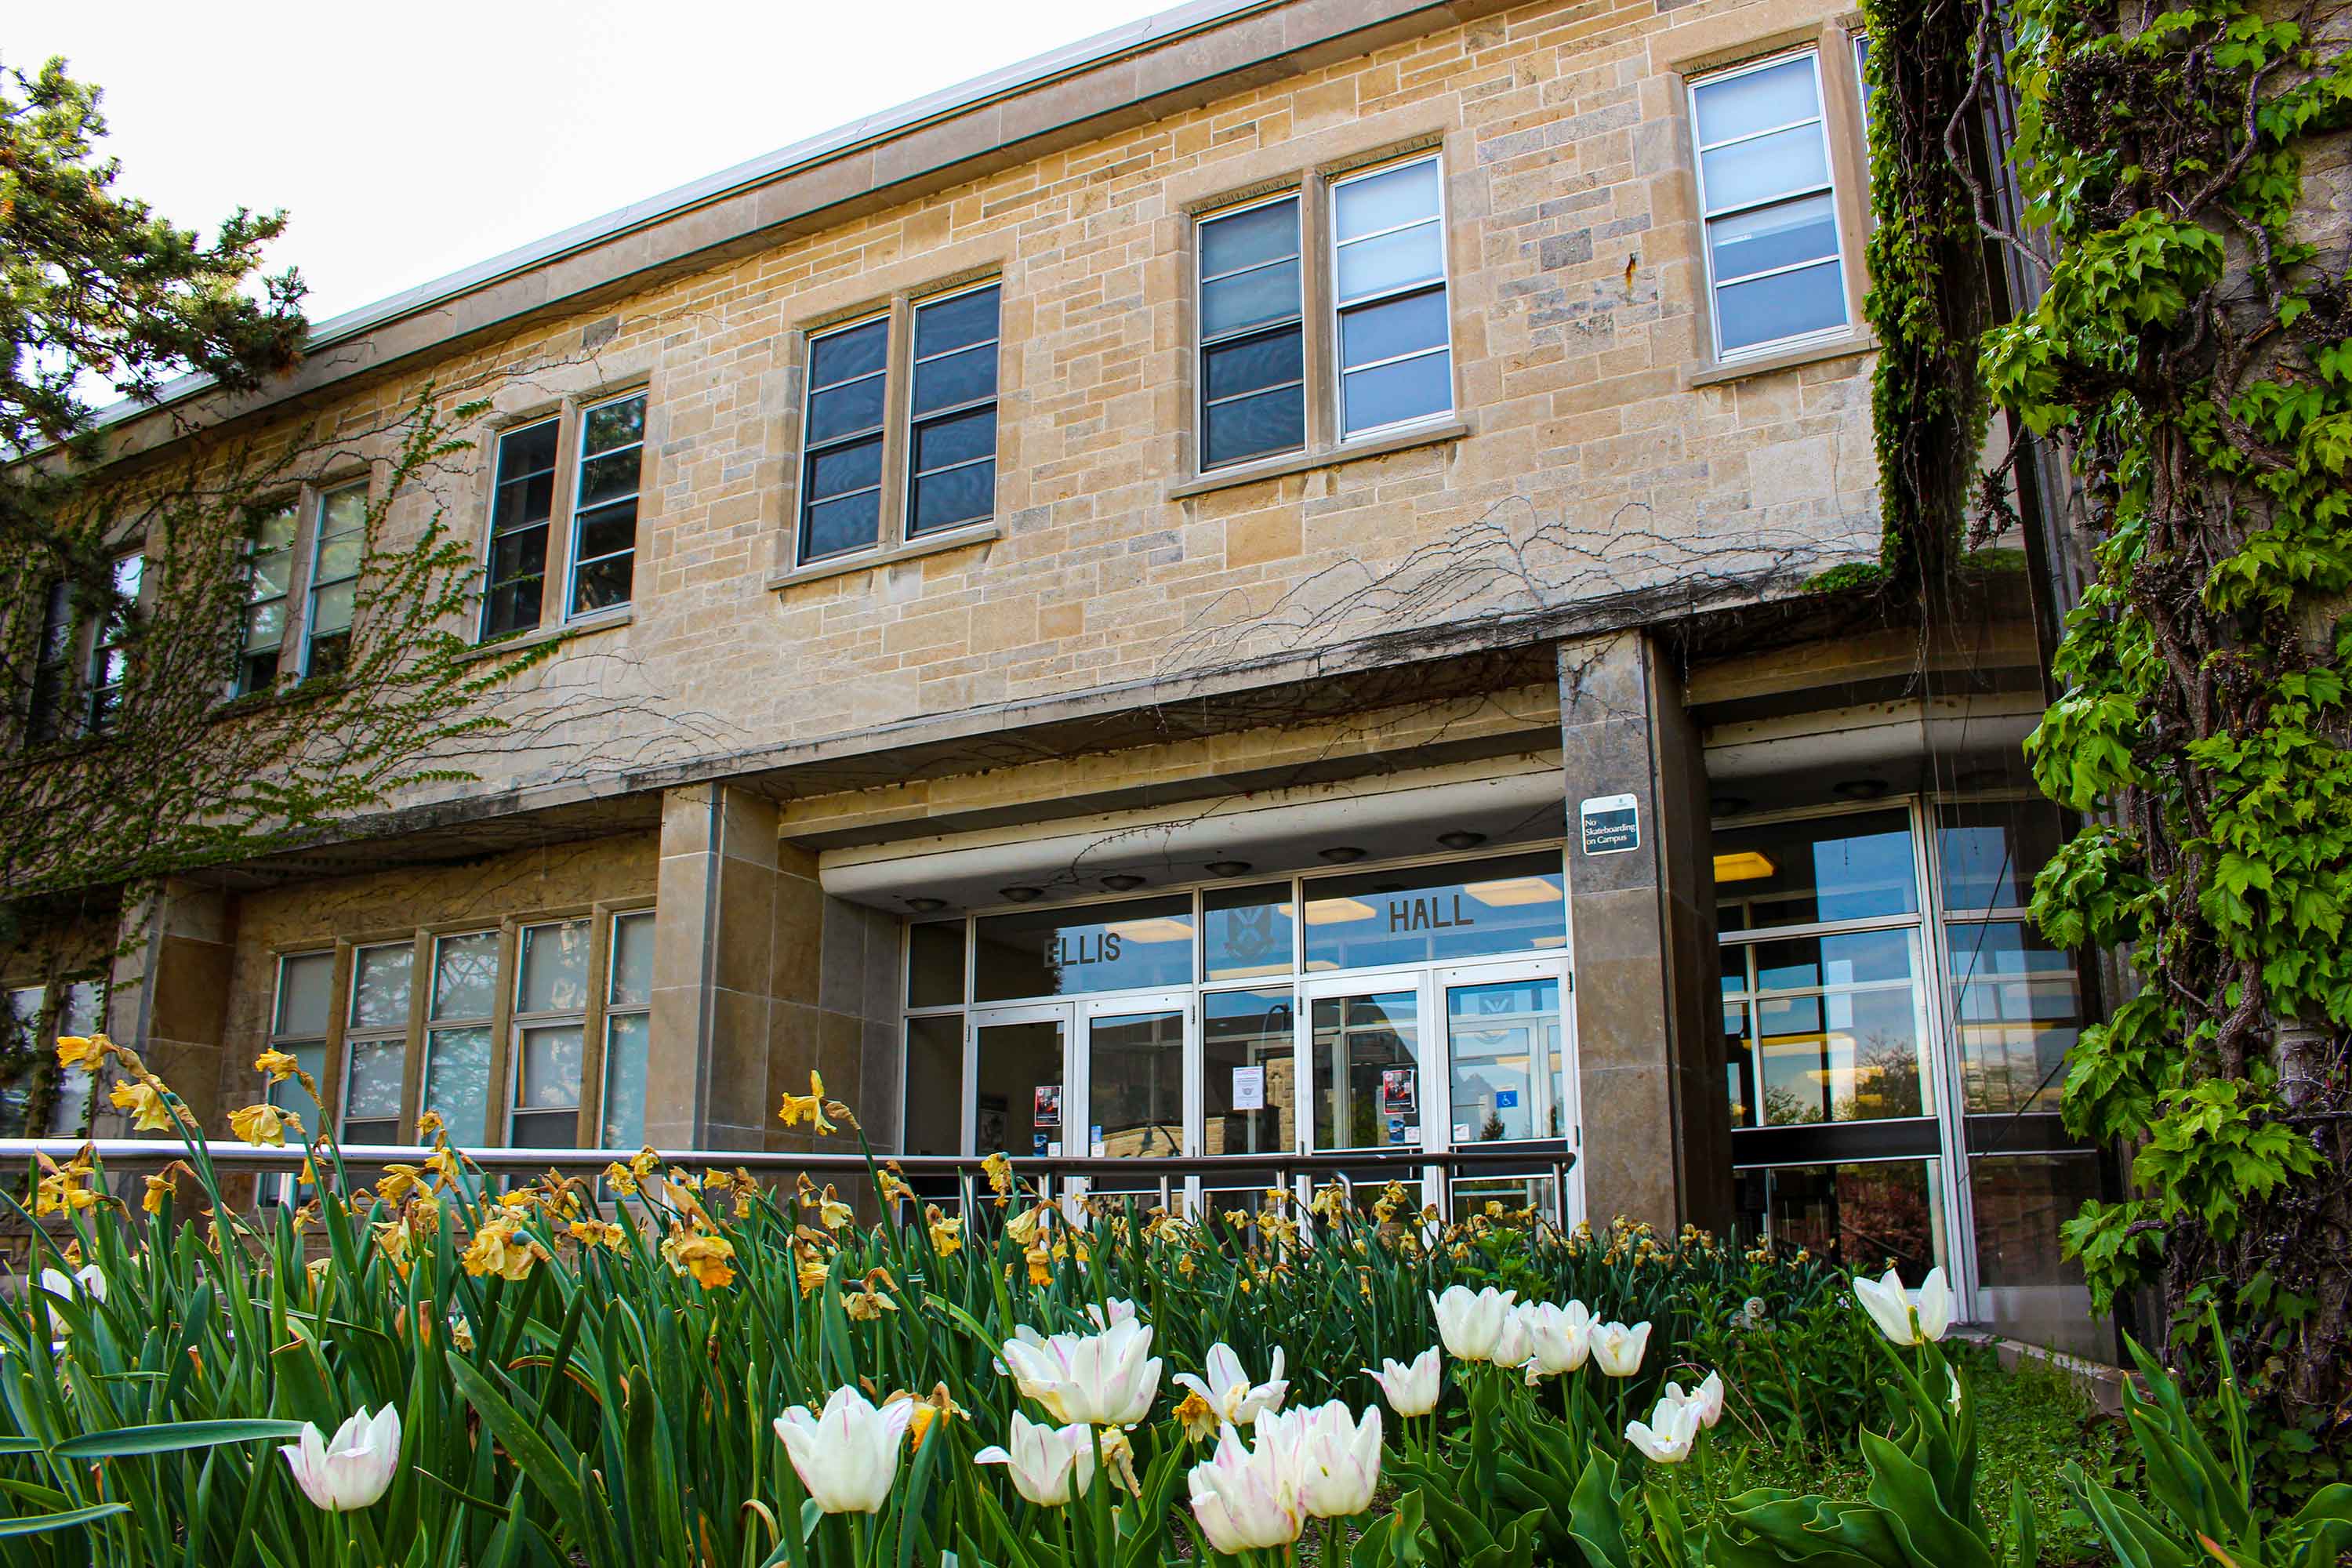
{"type": "Point", "coordinates": [2192, 355]}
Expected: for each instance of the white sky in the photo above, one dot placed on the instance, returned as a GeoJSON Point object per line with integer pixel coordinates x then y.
{"type": "Point", "coordinates": [411, 140]}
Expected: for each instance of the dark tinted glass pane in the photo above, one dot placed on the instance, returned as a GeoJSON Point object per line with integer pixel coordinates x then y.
{"type": "Point", "coordinates": [829, 527]}
{"type": "Point", "coordinates": [1461, 910]}
{"type": "Point", "coordinates": [513, 607]}
{"type": "Point", "coordinates": [615, 425]}
{"type": "Point", "coordinates": [257, 671]}
{"type": "Point", "coordinates": [1248, 299]}
{"type": "Point", "coordinates": [607, 529]}
{"type": "Point", "coordinates": [1246, 238]}
{"type": "Point", "coordinates": [961, 439]}
{"type": "Point", "coordinates": [846, 410]}
{"type": "Point", "coordinates": [524, 501]}
{"type": "Point", "coordinates": [1782, 306]}
{"type": "Point", "coordinates": [384, 1130]}
{"type": "Point", "coordinates": [56, 622]}
{"type": "Point", "coordinates": [954, 323]}
{"type": "Point", "coordinates": [1408, 389]}
{"type": "Point", "coordinates": [1779, 235]}
{"type": "Point", "coordinates": [935, 965]}
{"type": "Point", "coordinates": [1845, 867]}
{"type": "Point", "coordinates": [845, 468]}
{"type": "Point", "coordinates": [1247, 931]}
{"type": "Point", "coordinates": [330, 654]}
{"type": "Point", "coordinates": [955, 378]}
{"type": "Point", "coordinates": [545, 1129]}
{"type": "Point", "coordinates": [1273, 360]}
{"type": "Point", "coordinates": [1858, 958]}
{"type": "Point", "coordinates": [603, 479]}
{"type": "Point", "coordinates": [1991, 852]}
{"type": "Point", "coordinates": [1070, 952]}
{"type": "Point", "coordinates": [1247, 426]}
{"type": "Point", "coordinates": [1860, 1217]}
{"type": "Point", "coordinates": [518, 554]}
{"type": "Point", "coordinates": [842, 355]}
{"type": "Point", "coordinates": [952, 496]}
{"type": "Point", "coordinates": [1394, 327]}
{"type": "Point", "coordinates": [529, 450]}
{"type": "Point", "coordinates": [602, 583]}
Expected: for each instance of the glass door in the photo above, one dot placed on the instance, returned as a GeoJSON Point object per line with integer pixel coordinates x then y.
{"type": "Point", "coordinates": [1136, 1092]}
{"type": "Point", "coordinates": [1510, 1079]}
{"type": "Point", "coordinates": [1018, 1065]}
{"type": "Point", "coordinates": [1366, 1059]}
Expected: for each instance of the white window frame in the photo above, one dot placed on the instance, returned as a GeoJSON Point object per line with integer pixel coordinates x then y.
{"type": "Point", "coordinates": [435, 1025]}
{"type": "Point", "coordinates": [1340, 306]}
{"type": "Point", "coordinates": [1202, 342]}
{"type": "Point", "coordinates": [357, 1034]}
{"type": "Point", "coordinates": [1708, 217]}
{"type": "Point", "coordinates": [581, 458]}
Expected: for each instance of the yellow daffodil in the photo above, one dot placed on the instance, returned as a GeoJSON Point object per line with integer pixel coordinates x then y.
{"type": "Point", "coordinates": [809, 1106]}
{"type": "Point", "coordinates": [709, 1258]}
{"type": "Point", "coordinates": [937, 1405]}
{"type": "Point", "coordinates": [1041, 1267]}
{"type": "Point", "coordinates": [501, 1247]}
{"type": "Point", "coordinates": [1198, 1416]}
{"type": "Point", "coordinates": [998, 1167]}
{"type": "Point", "coordinates": [831, 1211]}
{"type": "Point", "coordinates": [398, 1182]}
{"type": "Point", "coordinates": [810, 1272]}
{"type": "Point", "coordinates": [277, 1065]}
{"type": "Point", "coordinates": [148, 1112]}
{"type": "Point", "coordinates": [622, 1179]}
{"type": "Point", "coordinates": [392, 1240]}
{"type": "Point", "coordinates": [645, 1162]}
{"type": "Point", "coordinates": [429, 1125]}
{"type": "Point", "coordinates": [158, 1188]}
{"type": "Point", "coordinates": [605, 1235]}
{"type": "Point", "coordinates": [444, 1164]}
{"type": "Point", "coordinates": [264, 1123]}
{"type": "Point", "coordinates": [946, 1234]}
{"type": "Point", "coordinates": [85, 1051]}
{"type": "Point", "coordinates": [893, 1187]}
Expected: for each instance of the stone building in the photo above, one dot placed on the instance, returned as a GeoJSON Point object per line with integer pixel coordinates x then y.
{"type": "Point", "coordinates": [1241, 584]}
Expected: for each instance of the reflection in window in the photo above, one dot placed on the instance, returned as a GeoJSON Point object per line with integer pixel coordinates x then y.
{"type": "Point", "coordinates": [604, 504]}
{"type": "Point", "coordinates": [2028, 1289]}
{"type": "Point", "coordinates": [1503, 1045]}
{"type": "Point", "coordinates": [550, 1005]}
{"type": "Point", "coordinates": [337, 556]}
{"type": "Point", "coordinates": [1853, 866]}
{"type": "Point", "coordinates": [629, 1027]}
{"type": "Point", "coordinates": [1863, 1216]}
{"type": "Point", "coordinates": [269, 581]}
{"type": "Point", "coordinates": [1992, 851]}
{"type": "Point", "coordinates": [1246, 932]}
{"type": "Point", "coordinates": [20, 1020]}
{"type": "Point", "coordinates": [1425, 912]}
{"type": "Point", "coordinates": [375, 1042]}
{"type": "Point", "coordinates": [457, 1043]}
{"type": "Point", "coordinates": [1367, 1070]}
{"type": "Point", "coordinates": [935, 963]}
{"type": "Point", "coordinates": [2018, 1010]}
{"type": "Point", "coordinates": [935, 1087]}
{"type": "Point", "coordinates": [1073, 951]}
{"type": "Point", "coordinates": [299, 1023]}
{"type": "Point", "coordinates": [1135, 1084]}
{"type": "Point", "coordinates": [1247, 1053]}
{"type": "Point", "coordinates": [1252, 372]}
{"type": "Point", "coordinates": [1831, 1030]}
{"type": "Point", "coordinates": [952, 435]}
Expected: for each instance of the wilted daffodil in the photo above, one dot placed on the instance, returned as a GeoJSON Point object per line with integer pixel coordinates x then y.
{"type": "Point", "coordinates": [87, 1052]}
{"type": "Point", "coordinates": [946, 1234]}
{"type": "Point", "coordinates": [710, 1259]}
{"type": "Point", "coordinates": [809, 1107]}
{"type": "Point", "coordinates": [148, 1112]}
{"type": "Point", "coordinates": [264, 1123]}
{"type": "Point", "coordinates": [504, 1248]}
{"type": "Point", "coordinates": [277, 1065]}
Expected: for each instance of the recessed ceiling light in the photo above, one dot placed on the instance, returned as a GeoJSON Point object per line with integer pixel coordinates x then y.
{"type": "Point", "coordinates": [1228, 868]}
{"type": "Point", "coordinates": [1022, 894]}
{"type": "Point", "coordinates": [1342, 853]}
{"type": "Point", "coordinates": [925, 906]}
{"type": "Point", "coordinates": [1121, 881]}
{"type": "Point", "coordinates": [1462, 838]}
{"type": "Point", "coordinates": [1744, 866]}
{"type": "Point", "coordinates": [1861, 789]}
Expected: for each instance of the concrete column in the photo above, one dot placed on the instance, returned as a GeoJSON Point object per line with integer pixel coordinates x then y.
{"type": "Point", "coordinates": [1656, 1130]}
{"type": "Point", "coordinates": [167, 997]}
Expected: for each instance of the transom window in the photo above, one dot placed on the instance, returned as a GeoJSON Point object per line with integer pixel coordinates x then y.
{"type": "Point", "coordinates": [1388, 233]}
{"type": "Point", "coordinates": [1776, 276]}
{"type": "Point", "coordinates": [946, 433]}
{"type": "Point", "coordinates": [585, 464]}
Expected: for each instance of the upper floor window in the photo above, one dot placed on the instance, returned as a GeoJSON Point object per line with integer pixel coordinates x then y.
{"type": "Point", "coordinates": [338, 550]}
{"type": "Point", "coordinates": [1776, 276]}
{"type": "Point", "coordinates": [1388, 237]}
{"type": "Point", "coordinates": [1253, 375]}
{"type": "Point", "coordinates": [948, 431]}
{"type": "Point", "coordinates": [44, 707]}
{"type": "Point", "coordinates": [586, 465]}
{"type": "Point", "coordinates": [269, 589]}
{"type": "Point", "coordinates": [109, 653]}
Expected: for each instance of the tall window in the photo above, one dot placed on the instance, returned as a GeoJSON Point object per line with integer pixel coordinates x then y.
{"type": "Point", "coordinates": [1252, 374]}
{"type": "Point", "coordinates": [268, 585]}
{"type": "Point", "coordinates": [44, 708]}
{"type": "Point", "coordinates": [459, 1034]}
{"type": "Point", "coordinates": [375, 1042]}
{"type": "Point", "coordinates": [949, 430]}
{"type": "Point", "coordinates": [1388, 232]}
{"type": "Point", "coordinates": [523, 500]}
{"type": "Point", "coordinates": [109, 653]}
{"type": "Point", "coordinates": [628, 1002]}
{"type": "Point", "coordinates": [1775, 273]}
{"type": "Point", "coordinates": [551, 1009]}
{"type": "Point", "coordinates": [604, 504]}
{"type": "Point", "coordinates": [297, 1023]}
{"type": "Point", "coordinates": [337, 553]}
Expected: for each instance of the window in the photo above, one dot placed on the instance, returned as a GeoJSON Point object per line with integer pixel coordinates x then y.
{"type": "Point", "coordinates": [628, 1021]}
{"type": "Point", "coordinates": [550, 1007]}
{"type": "Point", "coordinates": [951, 373]}
{"type": "Point", "coordinates": [604, 504]}
{"type": "Point", "coordinates": [457, 1034]}
{"type": "Point", "coordinates": [299, 1023]}
{"type": "Point", "coordinates": [1253, 373]}
{"type": "Point", "coordinates": [20, 1044]}
{"type": "Point", "coordinates": [52, 666]}
{"type": "Point", "coordinates": [375, 1042]}
{"type": "Point", "coordinates": [110, 656]}
{"type": "Point", "coordinates": [337, 552]}
{"type": "Point", "coordinates": [268, 584]}
{"type": "Point", "coordinates": [522, 500]}
{"type": "Point", "coordinates": [1388, 233]}
{"type": "Point", "coordinates": [1775, 272]}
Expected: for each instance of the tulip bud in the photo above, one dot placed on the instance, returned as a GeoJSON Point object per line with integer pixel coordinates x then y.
{"type": "Point", "coordinates": [352, 1471]}
{"type": "Point", "coordinates": [1617, 1349]}
{"type": "Point", "coordinates": [847, 1456]}
{"type": "Point", "coordinates": [1049, 1465]}
{"type": "Point", "coordinates": [1471, 1323]}
{"type": "Point", "coordinates": [1411, 1390]}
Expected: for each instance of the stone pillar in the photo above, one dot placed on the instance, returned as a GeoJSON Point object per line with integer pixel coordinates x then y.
{"type": "Point", "coordinates": [167, 997]}
{"type": "Point", "coordinates": [1657, 1131]}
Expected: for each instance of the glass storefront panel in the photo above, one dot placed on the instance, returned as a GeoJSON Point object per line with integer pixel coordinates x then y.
{"type": "Point", "coordinates": [1125, 946]}
{"type": "Point", "coordinates": [1017, 1089]}
{"type": "Point", "coordinates": [457, 1082]}
{"type": "Point", "coordinates": [1990, 851]}
{"type": "Point", "coordinates": [2027, 1288]}
{"type": "Point", "coordinates": [2019, 1008]}
{"type": "Point", "coordinates": [1865, 1216]}
{"type": "Point", "coordinates": [935, 965]}
{"type": "Point", "coordinates": [1833, 1030]}
{"type": "Point", "coordinates": [1249, 1101]}
{"type": "Point", "coordinates": [1853, 866]}
{"type": "Point", "coordinates": [1367, 1065]}
{"type": "Point", "coordinates": [1247, 932]}
{"type": "Point", "coordinates": [1503, 1044]}
{"type": "Point", "coordinates": [1423, 913]}
{"type": "Point", "coordinates": [626, 1042]}
{"type": "Point", "coordinates": [1135, 1084]}
{"type": "Point", "coordinates": [935, 1082]}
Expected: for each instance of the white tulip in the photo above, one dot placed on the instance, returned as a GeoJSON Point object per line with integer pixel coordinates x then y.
{"type": "Point", "coordinates": [1891, 1308]}
{"type": "Point", "coordinates": [352, 1471]}
{"type": "Point", "coordinates": [1954, 1374]}
{"type": "Point", "coordinates": [1248, 1500]}
{"type": "Point", "coordinates": [1617, 1349]}
{"type": "Point", "coordinates": [1559, 1338]}
{"type": "Point", "coordinates": [1511, 1347]}
{"type": "Point", "coordinates": [1471, 1322]}
{"type": "Point", "coordinates": [1411, 1390]}
{"type": "Point", "coordinates": [1706, 1399]}
{"type": "Point", "coordinates": [1118, 1311]}
{"type": "Point", "coordinates": [1101, 1380]}
{"type": "Point", "coordinates": [1668, 1436]}
{"type": "Point", "coordinates": [1338, 1457]}
{"type": "Point", "coordinates": [1049, 1465]}
{"type": "Point", "coordinates": [1229, 1391]}
{"type": "Point", "coordinates": [88, 1280]}
{"type": "Point", "coordinates": [847, 1456]}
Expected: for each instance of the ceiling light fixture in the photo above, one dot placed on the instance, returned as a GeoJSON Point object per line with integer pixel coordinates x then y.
{"type": "Point", "coordinates": [1228, 868]}
{"type": "Point", "coordinates": [1022, 894]}
{"type": "Point", "coordinates": [1342, 853]}
{"type": "Point", "coordinates": [925, 906]}
{"type": "Point", "coordinates": [1744, 866]}
{"type": "Point", "coordinates": [1122, 881]}
{"type": "Point", "coordinates": [1861, 789]}
{"type": "Point", "coordinates": [1462, 838]}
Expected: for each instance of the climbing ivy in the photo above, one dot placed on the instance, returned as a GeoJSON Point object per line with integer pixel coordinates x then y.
{"type": "Point", "coordinates": [2191, 356]}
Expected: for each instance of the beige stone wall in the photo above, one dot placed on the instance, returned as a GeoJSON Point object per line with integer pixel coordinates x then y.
{"type": "Point", "coordinates": [1592, 464]}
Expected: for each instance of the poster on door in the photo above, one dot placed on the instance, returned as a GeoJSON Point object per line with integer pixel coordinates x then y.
{"type": "Point", "coordinates": [1399, 1095]}
{"type": "Point", "coordinates": [1048, 1111]}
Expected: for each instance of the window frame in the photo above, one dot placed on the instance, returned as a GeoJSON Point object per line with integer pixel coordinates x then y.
{"type": "Point", "coordinates": [109, 636]}
{"type": "Point", "coordinates": [490, 536]}
{"type": "Point", "coordinates": [1339, 306]}
{"type": "Point", "coordinates": [430, 1024]}
{"type": "Point", "coordinates": [317, 499]}
{"type": "Point", "coordinates": [581, 457]}
{"type": "Point", "coordinates": [249, 555]}
{"type": "Point", "coordinates": [908, 532]}
{"type": "Point", "coordinates": [557, 575]}
{"type": "Point", "coordinates": [612, 1012]}
{"type": "Point", "coordinates": [356, 1034]}
{"type": "Point", "coordinates": [587, 1017]}
{"type": "Point", "coordinates": [879, 433]}
{"type": "Point", "coordinates": [1203, 343]}
{"type": "Point", "coordinates": [1831, 187]}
